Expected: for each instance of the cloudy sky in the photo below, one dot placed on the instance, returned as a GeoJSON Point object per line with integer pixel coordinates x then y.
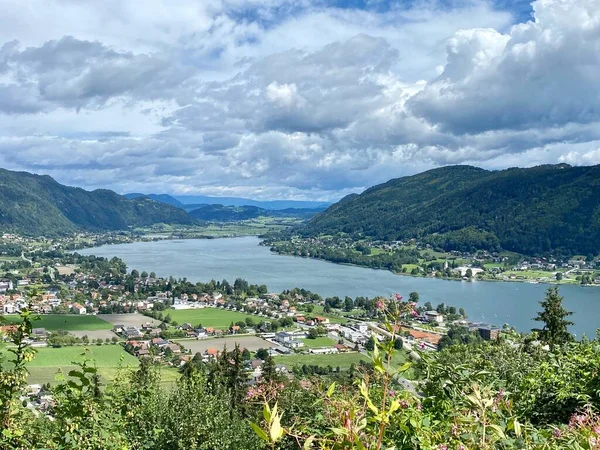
{"type": "Point", "coordinates": [295, 99]}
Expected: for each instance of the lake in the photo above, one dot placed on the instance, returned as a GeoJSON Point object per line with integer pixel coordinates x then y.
{"type": "Point", "coordinates": [231, 258]}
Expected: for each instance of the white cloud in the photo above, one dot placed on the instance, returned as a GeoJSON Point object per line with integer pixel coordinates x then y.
{"type": "Point", "coordinates": [292, 99]}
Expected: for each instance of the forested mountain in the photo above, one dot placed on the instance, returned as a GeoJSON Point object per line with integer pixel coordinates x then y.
{"type": "Point", "coordinates": [530, 211]}
{"type": "Point", "coordinates": [37, 204]}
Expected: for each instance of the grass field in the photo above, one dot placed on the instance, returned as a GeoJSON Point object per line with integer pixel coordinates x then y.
{"type": "Point", "coordinates": [67, 322]}
{"type": "Point", "coordinates": [343, 360]}
{"type": "Point", "coordinates": [319, 342]}
{"type": "Point", "coordinates": [48, 361]}
{"type": "Point", "coordinates": [209, 317]}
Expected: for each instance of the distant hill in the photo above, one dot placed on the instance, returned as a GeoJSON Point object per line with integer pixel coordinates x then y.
{"type": "Point", "coordinates": [38, 205]}
{"type": "Point", "coordinates": [530, 211]}
{"type": "Point", "coordinates": [163, 198]}
{"type": "Point", "coordinates": [222, 213]}
{"type": "Point", "coordinates": [199, 200]}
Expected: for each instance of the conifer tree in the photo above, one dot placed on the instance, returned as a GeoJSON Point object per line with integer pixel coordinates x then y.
{"type": "Point", "coordinates": [554, 316]}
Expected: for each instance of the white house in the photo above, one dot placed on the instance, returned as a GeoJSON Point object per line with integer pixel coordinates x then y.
{"type": "Point", "coordinates": [78, 309]}
{"type": "Point", "coordinates": [434, 316]}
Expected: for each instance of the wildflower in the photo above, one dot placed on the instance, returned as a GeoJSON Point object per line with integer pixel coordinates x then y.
{"type": "Point", "coordinates": [392, 393]}
{"type": "Point", "coordinates": [454, 429]}
{"type": "Point", "coordinates": [442, 447]}
{"type": "Point", "coordinates": [379, 305]}
{"type": "Point", "coordinates": [596, 430]}
{"type": "Point", "coordinates": [398, 297]}
{"type": "Point", "coordinates": [421, 345]}
{"type": "Point", "coordinates": [556, 433]}
{"type": "Point", "coordinates": [414, 313]}
{"type": "Point", "coordinates": [404, 404]}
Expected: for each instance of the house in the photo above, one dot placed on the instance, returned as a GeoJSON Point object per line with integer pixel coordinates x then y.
{"type": "Point", "coordinates": [418, 335]}
{"type": "Point", "coordinates": [434, 316]}
{"type": "Point", "coordinates": [341, 348]}
{"type": "Point", "coordinates": [283, 337]}
{"type": "Point", "coordinates": [300, 319]}
{"type": "Point", "coordinates": [174, 348]}
{"type": "Point", "coordinates": [118, 328]}
{"type": "Point", "coordinates": [321, 320]}
{"type": "Point", "coordinates": [5, 285]}
{"type": "Point", "coordinates": [39, 333]}
{"type": "Point", "coordinates": [235, 329]}
{"type": "Point", "coordinates": [78, 309]}
{"type": "Point", "coordinates": [294, 343]}
{"type": "Point", "coordinates": [489, 333]}
{"type": "Point", "coordinates": [133, 332]}
{"type": "Point", "coordinates": [211, 352]}
{"type": "Point", "coordinates": [361, 327]}
{"type": "Point", "coordinates": [159, 342]}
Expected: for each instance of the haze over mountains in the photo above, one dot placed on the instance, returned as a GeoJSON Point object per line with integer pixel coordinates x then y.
{"type": "Point", "coordinates": [535, 210]}
{"type": "Point", "coordinates": [189, 201]}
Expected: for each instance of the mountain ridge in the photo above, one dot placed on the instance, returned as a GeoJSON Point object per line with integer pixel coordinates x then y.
{"type": "Point", "coordinates": [527, 210]}
{"type": "Point", "coordinates": [203, 200]}
{"type": "Point", "coordinates": [39, 205]}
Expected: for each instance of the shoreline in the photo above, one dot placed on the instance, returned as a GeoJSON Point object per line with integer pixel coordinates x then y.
{"type": "Point", "coordinates": [473, 280]}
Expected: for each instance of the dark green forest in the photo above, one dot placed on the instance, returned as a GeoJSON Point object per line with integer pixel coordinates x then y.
{"type": "Point", "coordinates": [550, 208]}
{"type": "Point", "coordinates": [38, 205]}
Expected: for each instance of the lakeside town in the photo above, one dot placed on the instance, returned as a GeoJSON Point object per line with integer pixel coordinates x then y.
{"type": "Point", "coordinates": [84, 302]}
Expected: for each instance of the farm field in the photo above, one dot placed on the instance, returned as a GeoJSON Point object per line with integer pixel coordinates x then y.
{"type": "Point", "coordinates": [343, 360]}
{"type": "Point", "coordinates": [129, 320]}
{"type": "Point", "coordinates": [94, 334]}
{"type": "Point", "coordinates": [67, 322]}
{"type": "Point", "coordinates": [319, 342]}
{"type": "Point", "coordinates": [252, 343]}
{"type": "Point", "coordinates": [208, 317]}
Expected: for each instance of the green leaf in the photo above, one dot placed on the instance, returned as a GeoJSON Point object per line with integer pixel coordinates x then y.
{"type": "Point", "coordinates": [499, 431]}
{"type": "Point", "coordinates": [331, 389]}
{"type": "Point", "coordinates": [259, 432]}
{"type": "Point", "coordinates": [267, 412]}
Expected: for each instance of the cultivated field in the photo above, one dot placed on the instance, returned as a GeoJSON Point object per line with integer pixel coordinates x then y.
{"type": "Point", "coordinates": [129, 320]}
{"type": "Point", "coordinates": [67, 322]}
{"type": "Point", "coordinates": [252, 343]}
{"type": "Point", "coordinates": [94, 334]}
{"type": "Point", "coordinates": [208, 317]}
{"type": "Point", "coordinates": [343, 360]}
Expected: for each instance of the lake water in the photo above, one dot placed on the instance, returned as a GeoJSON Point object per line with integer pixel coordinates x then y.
{"type": "Point", "coordinates": [231, 258]}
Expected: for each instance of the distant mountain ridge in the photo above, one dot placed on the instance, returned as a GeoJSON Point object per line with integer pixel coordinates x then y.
{"type": "Point", "coordinates": [163, 198]}
{"type": "Point", "coordinates": [222, 213]}
{"type": "Point", "coordinates": [39, 205]}
{"type": "Point", "coordinates": [532, 211]}
{"type": "Point", "coordinates": [183, 201]}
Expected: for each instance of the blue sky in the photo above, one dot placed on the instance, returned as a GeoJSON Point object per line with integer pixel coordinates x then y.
{"type": "Point", "coordinates": [293, 99]}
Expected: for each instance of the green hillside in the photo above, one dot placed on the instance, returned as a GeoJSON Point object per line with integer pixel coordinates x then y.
{"type": "Point", "coordinates": [530, 211]}
{"type": "Point", "coordinates": [37, 204]}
